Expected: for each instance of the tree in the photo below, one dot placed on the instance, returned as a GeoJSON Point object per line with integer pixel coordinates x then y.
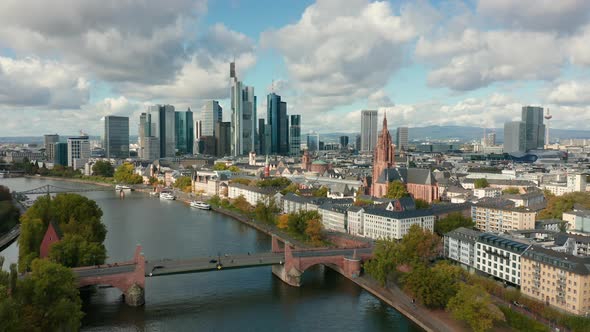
{"type": "Point", "coordinates": [396, 189]}
{"type": "Point", "coordinates": [242, 181]}
{"type": "Point", "coordinates": [125, 174]}
{"type": "Point", "coordinates": [385, 260]}
{"type": "Point", "coordinates": [511, 191]}
{"type": "Point", "coordinates": [242, 204]}
{"type": "Point", "coordinates": [292, 188]}
{"type": "Point", "coordinates": [421, 204]}
{"type": "Point", "coordinates": [153, 181]}
{"type": "Point", "coordinates": [183, 183]}
{"type": "Point", "coordinates": [266, 212]}
{"type": "Point", "coordinates": [474, 306]}
{"type": "Point", "coordinates": [234, 169]}
{"type": "Point", "coordinates": [362, 202]}
{"type": "Point", "coordinates": [320, 192]}
{"type": "Point", "coordinates": [419, 245]}
{"type": "Point", "coordinates": [435, 286]}
{"type": "Point", "coordinates": [451, 222]}
{"type": "Point", "coordinates": [481, 183]}
{"type": "Point", "coordinates": [73, 250]}
{"type": "Point", "coordinates": [215, 200]}
{"type": "Point", "coordinates": [220, 167]}
{"type": "Point", "coordinates": [557, 205]}
{"type": "Point", "coordinates": [5, 194]}
{"type": "Point", "coordinates": [313, 230]}
{"type": "Point", "coordinates": [49, 298]}
{"type": "Point", "coordinates": [279, 182]}
{"type": "Point", "coordinates": [283, 221]}
{"type": "Point", "coordinates": [103, 168]}
{"type": "Point", "coordinates": [9, 215]}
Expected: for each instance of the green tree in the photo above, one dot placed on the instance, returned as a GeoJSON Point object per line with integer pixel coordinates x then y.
{"type": "Point", "coordinates": [125, 174]}
{"type": "Point", "coordinates": [215, 200]}
{"type": "Point", "coordinates": [511, 191]}
{"type": "Point", "coordinates": [451, 222]}
{"type": "Point", "coordinates": [419, 246]}
{"type": "Point", "coordinates": [396, 189]}
{"type": "Point", "coordinates": [243, 181]}
{"type": "Point", "coordinates": [557, 205]}
{"type": "Point", "coordinates": [279, 182]}
{"type": "Point", "coordinates": [183, 183]}
{"type": "Point", "coordinates": [5, 194]}
{"type": "Point", "coordinates": [103, 168]}
{"type": "Point", "coordinates": [73, 250]}
{"type": "Point", "coordinates": [153, 180]}
{"type": "Point", "coordinates": [234, 169]}
{"type": "Point", "coordinates": [242, 204]}
{"type": "Point", "coordinates": [421, 204]}
{"type": "Point", "coordinates": [266, 212]}
{"type": "Point", "coordinates": [320, 192]}
{"type": "Point", "coordinates": [9, 215]}
{"type": "Point", "coordinates": [473, 305]}
{"type": "Point", "coordinates": [481, 183]}
{"type": "Point", "coordinates": [220, 167]}
{"type": "Point", "coordinates": [386, 256]}
{"type": "Point", "coordinates": [49, 298]}
{"type": "Point", "coordinates": [292, 188]}
{"type": "Point", "coordinates": [435, 286]}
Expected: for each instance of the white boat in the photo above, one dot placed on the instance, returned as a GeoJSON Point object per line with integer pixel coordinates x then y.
{"type": "Point", "coordinates": [200, 205]}
{"type": "Point", "coordinates": [120, 187]}
{"type": "Point", "coordinates": [167, 196]}
{"type": "Point", "coordinates": [154, 193]}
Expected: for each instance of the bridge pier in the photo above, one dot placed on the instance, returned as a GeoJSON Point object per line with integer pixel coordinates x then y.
{"type": "Point", "coordinates": [135, 296]}
{"type": "Point", "coordinates": [291, 277]}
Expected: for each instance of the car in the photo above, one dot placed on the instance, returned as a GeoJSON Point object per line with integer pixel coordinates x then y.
{"type": "Point", "coordinates": [213, 261]}
{"type": "Point", "coordinates": [158, 267]}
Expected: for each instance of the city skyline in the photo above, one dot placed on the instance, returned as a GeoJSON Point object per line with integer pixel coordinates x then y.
{"type": "Point", "coordinates": [470, 62]}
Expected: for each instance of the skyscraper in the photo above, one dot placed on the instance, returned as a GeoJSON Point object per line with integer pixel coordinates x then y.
{"type": "Point", "coordinates": [162, 125]}
{"type": "Point", "coordinates": [115, 140]}
{"type": "Point", "coordinates": [368, 130]}
{"type": "Point", "coordinates": [313, 142]}
{"type": "Point", "coordinates": [295, 135]}
{"type": "Point", "coordinates": [223, 139]}
{"type": "Point", "coordinates": [401, 138]}
{"type": "Point", "coordinates": [184, 131]}
{"type": "Point", "coordinates": [78, 151]}
{"type": "Point", "coordinates": [150, 148]}
{"type": "Point", "coordinates": [276, 115]}
{"type": "Point", "coordinates": [343, 142]}
{"type": "Point", "coordinates": [50, 141]}
{"type": "Point", "coordinates": [534, 128]}
{"type": "Point", "coordinates": [243, 116]}
{"type": "Point", "coordinates": [211, 113]}
{"type": "Point", "coordinates": [514, 137]}
{"type": "Point", "coordinates": [60, 156]}
{"type": "Point", "coordinates": [263, 143]}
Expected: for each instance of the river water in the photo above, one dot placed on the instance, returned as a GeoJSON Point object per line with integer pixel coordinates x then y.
{"type": "Point", "coordinates": [234, 300]}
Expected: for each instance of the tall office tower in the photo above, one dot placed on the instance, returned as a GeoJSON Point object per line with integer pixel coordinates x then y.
{"type": "Point", "coordinates": [368, 130]}
{"type": "Point", "coordinates": [343, 142]}
{"type": "Point", "coordinates": [357, 142]}
{"type": "Point", "coordinates": [267, 138]}
{"type": "Point", "coordinates": [313, 142]}
{"type": "Point", "coordinates": [261, 141]}
{"type": "Point", "coordinates": [60, 156]}
{"type": "Point", "coordinates": [150, 148]}
{"type": "Point", "coordinates": [115, 140]}
{"type": "Point", "coordinates": [163, 126]}
{"type": "Point", "coordinates": [401, 138]}
{"type": "Point", "coordinates": [534, 128]}
{"type": "Point", "coordinates": [243, 116]}
{"type": "Point", "coordinates": [197, 133]}
{"type": "Point", "coordinates": [276, 114]}
{"type": "Point", "coordinates": [514, 137]}
{"type": "Point", "coordinates": [78, 151]}
{"type": "Point", "coordinates": [295, 135]}
{"type": "Point", "coordinates": [489, 139]}
{"type": "Point", "coordinates": [50, 141]}
{"type": "Point", "coordinates": [184, 131]}
{"type": "Point", "coordinates": [223, 139]}
{"type": "Point", "coordinates": [211, 113]}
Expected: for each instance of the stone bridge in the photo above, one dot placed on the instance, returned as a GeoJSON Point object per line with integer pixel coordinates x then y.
{"type": "Point", "coordinates": [287, 264]}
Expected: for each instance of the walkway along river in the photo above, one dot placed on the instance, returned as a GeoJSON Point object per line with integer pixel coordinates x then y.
{"type": "Point", "coordinates": [233, 300]}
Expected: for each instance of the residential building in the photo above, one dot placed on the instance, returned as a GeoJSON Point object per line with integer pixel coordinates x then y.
{"type": "Point", "coordinates": [578, 220]}
{"type": "Point", "coordinates": [500, 216]}
{"type": "Point", "coordinates": [401, 138]}
{"type": "Point", "coordinates": [514, 137]}
{"type": "Point", "coordinates": [252, 194]}
{"type": "Point", "coordinates": [295, 135]}
{"type": "Point", "coordinates": [116, 137]}
{"type": "Point", "coordinates": [210, 182]}
{"type": "Point", "coordinates": [534, 128]}
{"type": "Point", "coordinates": [162, 126]}
{"type": "Point", "coordinates": [459, 246]}
{"type": "Point", "coordinates": [379, 223]}
{"type": "Point", "coordinates": [78, 151]}
{"type": "Point", "coordinates": [487, 192]}
{"type": "Point", "coordinates": [334, 217]}
{"type": "Point", "coordinates": [557, 279]}
{"type": "Point", "coordinates": [368, 130]}
{"type": "Point", "coordinates": [184, 131]}
{"type": "Point", "coordinates": [49, 141]}
{"type": "Point", "coordinates": [500, 257]}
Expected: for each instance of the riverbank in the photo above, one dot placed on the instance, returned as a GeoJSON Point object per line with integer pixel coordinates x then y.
{"type": "Point", "coordinates": [58, 178]}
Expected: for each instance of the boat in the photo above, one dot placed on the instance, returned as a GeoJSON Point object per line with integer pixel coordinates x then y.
{"type": "Point", "coordinates": [120, 187]}
{"type": "Point", "coordinates": [200, 205]}
{"type": "Point", "coordinates": [154, 193]}
{"type": "Point", "coordinates": [167, 196]}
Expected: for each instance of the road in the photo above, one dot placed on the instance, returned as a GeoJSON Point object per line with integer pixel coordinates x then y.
{"type": "Point", "coordinates": [333, 252]}
{"type": "Point", "coordinates": [8, 238]}
{"type": "Point", "coordinates": [104, 270]}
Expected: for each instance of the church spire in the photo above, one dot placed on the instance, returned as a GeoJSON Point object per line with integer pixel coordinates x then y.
{"type": "Point", "coordinates": [384, 121]}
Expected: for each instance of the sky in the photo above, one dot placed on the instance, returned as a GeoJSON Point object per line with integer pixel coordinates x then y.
{"type": "Point", "coordinates": [65, 64]}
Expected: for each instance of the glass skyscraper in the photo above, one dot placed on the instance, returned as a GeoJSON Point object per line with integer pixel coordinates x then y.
{"type": "Point", "coordinates": [184, 131]}
{"type": "Point", "coordinates": [313, 142]}
{"type": "Point", "coordinates": [116, 137]}
{"type": "Point", "coordinates": [368, 130]}
{"type": "Point", "coordinates": [534, 128]}
{"type": "Point", "coordinates": [295, 135]}
{"type": "Point", "coordinates": [514, 137]}
{"type": "Point", "coordinates": [162, 125]}
{"type": "Point", "coordinates": [243, 116]}
{"type": "Point", "coordinates": [276, 114]}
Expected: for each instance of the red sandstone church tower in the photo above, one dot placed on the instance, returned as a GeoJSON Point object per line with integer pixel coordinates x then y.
{"type": "Point", "coordinates": [383, 158]}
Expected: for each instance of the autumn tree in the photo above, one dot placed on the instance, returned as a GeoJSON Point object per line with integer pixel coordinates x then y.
{"type": "Point", "coordinates": [451, 222]}
{"type": "Point", "coordinates": [320, 192]}
{"type": "Point", "coordinates": [266, 212]}
{"type": "Point", "coordinates": [242, 204]}
{"type": "Point", "coordinates": [313, 230]}
{"type": "Point", "coordinates": [283, 221]}
{"type": "Point", "coordinates": [126, 174]}
{"type": "Point", "coordinates": [473, 305]}
{"type": "Point", "coordinates": [292, 188]}
{"type": "Point", "coordinates": [220, 167]}
{"type": "Point", "coordinates": [419, 245]}
{"type": "Point", "coordinates": [557, 205]}
{"type": "Point", "coordinates": [183, 183]}
{"type": "Point", "coordinates": [435, 286]}
{"type": "Point", "coordinates": [396, 189]}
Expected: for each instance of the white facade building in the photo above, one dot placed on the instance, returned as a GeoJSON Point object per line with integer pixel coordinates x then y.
{"type": "Point", "coordinates": [252, 194]}
{"type": "Point", "coordinates": [334, 217]}
{"type": "Point", "coordinates": [378, 223]}
{"type": "Point", "coordinates": [487, 192]}
{"type": "Point", "coordinates": [460, 246]}
{"type": "Point", "coordinates": [500, 257]}
{"type": "Point", "coordinates": [78, 151]}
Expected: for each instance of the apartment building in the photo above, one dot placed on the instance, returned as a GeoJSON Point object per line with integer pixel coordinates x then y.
{"type": "Point", "coordinates": [252, 194]}
{"type": "Point", "coordinates": [459, 246]}
{"type": "Point", "coordinates": [500, 257]}
{"type": "Point", "coordinates": [500, 216]}
{"type": "Point", "coordinates": [379, 223]}
{"type": "Point", "coordinates": [558, 279]}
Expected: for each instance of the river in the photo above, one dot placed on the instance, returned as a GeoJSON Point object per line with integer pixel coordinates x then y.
{"type": "Point", "coordinates": [237, 300]}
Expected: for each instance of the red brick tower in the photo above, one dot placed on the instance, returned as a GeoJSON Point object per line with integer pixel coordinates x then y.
{"type": "Point", "coordinates": [383, 158]}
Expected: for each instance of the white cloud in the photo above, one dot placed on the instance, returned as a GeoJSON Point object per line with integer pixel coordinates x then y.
{"type": "Point", "coordinates": [570, 93]}
{"type": "Point", "coordinates": [35, 83]}
{"type": "Point", "coordinates": [579, 47]}
{"type": "Point", "coordinates": [336, 54]}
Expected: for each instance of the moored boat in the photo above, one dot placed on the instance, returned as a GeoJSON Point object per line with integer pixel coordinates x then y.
{"type": "Point", "coordinates": [200, 205]}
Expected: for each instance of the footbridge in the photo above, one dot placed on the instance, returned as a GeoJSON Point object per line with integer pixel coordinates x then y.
{"type": "Point", "coordinates": [287, 264]}
{"type": "Point", "coordinates": [51, 189]}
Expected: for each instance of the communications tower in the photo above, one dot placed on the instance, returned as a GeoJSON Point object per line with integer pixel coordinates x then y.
{"type": "Point", "coordinates": [548, 117]}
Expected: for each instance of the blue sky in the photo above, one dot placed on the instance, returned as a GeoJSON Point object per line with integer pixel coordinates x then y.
{"type": "Point", "coordinates": [66, 64]}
